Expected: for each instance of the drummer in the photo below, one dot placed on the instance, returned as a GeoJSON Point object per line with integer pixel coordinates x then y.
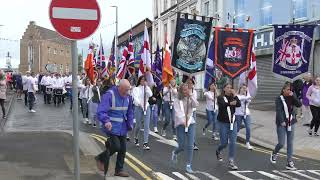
{"type": "Point", "coordinates": [68, 87]}
{"type": "Point", "coordinates": [44, 83]}
{"type": "Point", "coordinates": [58, 86]}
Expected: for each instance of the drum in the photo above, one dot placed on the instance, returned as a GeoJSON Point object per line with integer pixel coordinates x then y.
{"type": "Point", "coordinates": [49, 90]}
{"type": "Point", "coordinates": [58, 92]}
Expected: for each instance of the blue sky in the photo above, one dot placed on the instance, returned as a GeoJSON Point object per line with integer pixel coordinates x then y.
{"type": "Point", "coordinates": [20, 12]}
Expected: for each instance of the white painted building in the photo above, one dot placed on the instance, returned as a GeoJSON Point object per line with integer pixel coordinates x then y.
{"type": "Point", "coordinates": [165, 16]}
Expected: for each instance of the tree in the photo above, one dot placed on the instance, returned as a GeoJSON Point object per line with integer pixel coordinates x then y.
{"type": "Point", "coordinates": [80, 63]}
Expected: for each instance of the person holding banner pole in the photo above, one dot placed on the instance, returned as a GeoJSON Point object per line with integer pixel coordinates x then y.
{"type": "Point", "coordinates": [313, 95]}
{"type": "Point", "coordinates": [227, 103]}
{"type": "Point", "coordinates": [285, 122]}
{"type": "Point", "coordinates": [243, 113]}
{"type": "Point", "coordinates": [169, 95]}
{"type": "Point", "coordinates": [306, 113]}
{"type": "Point", "coordinates": [185, 124]}
{"type": "Point", "coordinates": [211, 109]}
{"type": "Point", "coordinates": [142, 110]}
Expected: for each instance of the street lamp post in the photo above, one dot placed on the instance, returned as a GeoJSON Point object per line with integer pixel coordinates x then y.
{"type": "Point", "coordinates": [116, 39]}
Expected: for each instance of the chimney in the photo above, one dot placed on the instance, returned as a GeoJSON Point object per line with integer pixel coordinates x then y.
{"type": "Point", "coordinates": [32, 23]}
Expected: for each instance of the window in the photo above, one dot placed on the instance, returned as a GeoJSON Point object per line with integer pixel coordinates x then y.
{"type": "Point", "coordinates": [173, 26]}
{"type": "Point", "coordinates": [55, 51]}
{"type": "Point", "coordinates": [173, 2]}
{"type": "Point", "coordinates": [299, 8]}
{"type": "Point", "coordinates": [239, 9]}
{"type": "Point", "coordinates": [315, 6]}
{"type": "Point", "coordinates": [61, 52]}
{"type": "Point", "coordinates": [165, 28]}
{"type": "Point", "coordinates": [266, 12]}
{"type": "Point", "coordinates": [49, 50]}
{"type": "Point", "coordinates": [206, 9]}
{"type": "Point", "coordinates": [165, 5]}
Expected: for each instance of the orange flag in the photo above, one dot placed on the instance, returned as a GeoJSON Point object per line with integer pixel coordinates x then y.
{"type": "Point", "coordinates": [89, 66]}
{"type": "Point", "coordinates": [167, 72]}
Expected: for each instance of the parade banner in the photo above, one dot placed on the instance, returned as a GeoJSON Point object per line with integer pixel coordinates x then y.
{"type": "Point", "coordinates": [233, 50]}
{"type": "Point", "coordinates": [292, 49]}
{"type": "Point", "coordinates": [191, 44]}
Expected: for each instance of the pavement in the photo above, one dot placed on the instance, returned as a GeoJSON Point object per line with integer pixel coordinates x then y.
{"type": "Point", "coordinates": [263, 133]}
{"type": "Point", "coordinates": [33, 144]}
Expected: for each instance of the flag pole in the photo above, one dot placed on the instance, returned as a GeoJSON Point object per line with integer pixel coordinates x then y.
{"type": "Point", "coordinates": [145, 68]}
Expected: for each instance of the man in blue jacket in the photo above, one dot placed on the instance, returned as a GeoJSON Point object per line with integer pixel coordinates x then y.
{"type": "Point", "coordinates": [116, 114]}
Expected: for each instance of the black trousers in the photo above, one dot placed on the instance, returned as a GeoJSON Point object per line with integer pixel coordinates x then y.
{"type": "Point", "coordinates": [2, 107]}
{"type": "Point", "coordinates": [25, 97]}
{"type": "Point", "coordinates": [31, 99]}
{"type": "Point", "coordinates": [115, 144]}
{"type": "Point", "coordinates": [315, 117]}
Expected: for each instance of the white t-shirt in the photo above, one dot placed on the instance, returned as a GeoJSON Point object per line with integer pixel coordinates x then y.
{"type": "Point", "coordinates": [31, 82]}
{"type": "Point", "coordinates": [24, 82]}
{"type": "Point", "coordinates": [211, 100]}
{"type": "Point", "coordinates": [243, 110]}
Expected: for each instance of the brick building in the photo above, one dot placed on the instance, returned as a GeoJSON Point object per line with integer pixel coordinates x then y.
{"type": "Point", "coordinates": [43, 50]}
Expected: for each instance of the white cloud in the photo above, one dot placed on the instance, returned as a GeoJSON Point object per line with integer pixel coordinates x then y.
{"type": "Point", "coordinates": [20, 12]}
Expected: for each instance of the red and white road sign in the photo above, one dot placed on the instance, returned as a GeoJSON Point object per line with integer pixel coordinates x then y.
{"type": "Point", "coordinates": [75, 19]}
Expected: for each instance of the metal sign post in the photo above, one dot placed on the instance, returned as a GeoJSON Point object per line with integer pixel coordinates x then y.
{"type": "Point", "coordinates": [76, 155]}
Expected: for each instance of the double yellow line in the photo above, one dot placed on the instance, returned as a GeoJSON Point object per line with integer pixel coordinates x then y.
{"type": "Point", "coordinates": [102, 139]}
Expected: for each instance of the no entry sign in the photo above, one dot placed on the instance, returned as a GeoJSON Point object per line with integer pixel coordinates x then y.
{"type": "Point", "coordinates": [75, 19]}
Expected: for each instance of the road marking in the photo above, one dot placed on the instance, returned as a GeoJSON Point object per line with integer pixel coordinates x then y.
{"type": "Point", "coordinates": [180, 175]}
{"type": "Point", "coordinates": [142, 174]}
{"type": "Point", "coordinates": [272, 176]}
{"type": "Point", "coordinates": [134, 167]}
{"type": "Point", "coordinates": [207, 174]}
{"type": "Point", "coordinates": [299, 172]}
{"type": "Point", "coordinates": [284, 175]}
{"type": "Point", "coordinates": [315, 172]}
{"type": "Point", "coordinates": [237, 173]}
{"type": "Point", "coordinates": [164, 140]}
{"type": "Point", "coordinates": [192, 176]}
{"type": "Point", "coordinates": [163, 176]}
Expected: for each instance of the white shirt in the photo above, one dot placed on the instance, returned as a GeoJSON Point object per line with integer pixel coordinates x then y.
{"type": "Point", "coordinates": [58, 83]}
{"type": "Point", "coordinates": [31, 82]}
{"type": "Point", "coordinates": [243, 109]}
{"type": "Point", "coordinates": [138, 96]}
{"type": "Point", "coordinates": [68, 80]}
{"type": "Point", "coordinates": [211, 99]}
{"type": "Point", "coordinates": [84, 92]}
{"type": "Point", "coordinates": [45, 81]}
{"type": "Point", "coordinates": [166, 94]}
{"type": "Point", "coordinates": [24, 82]}
{"type": "Point", "coordinates": [194, 96]}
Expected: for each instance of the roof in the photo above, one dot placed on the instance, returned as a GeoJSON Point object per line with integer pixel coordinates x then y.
{"type": "Point", "coordinates": [47, 34]}
{"type": "Point", "coordinates": [138, 28]}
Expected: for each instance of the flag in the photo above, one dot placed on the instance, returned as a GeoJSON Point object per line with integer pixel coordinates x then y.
{"type": "Point", "coordinates": [252, 76]}
{"type": "Point", "coordinates": [122, 69]}
{"type": "Point", "coordinates": [102, 62]}
{"type": "Point", "coordinates": [157, 69]}
{"type": "Point", "coordinates": [130, 64]}
{"type": "Point", "coordinates": [210, 69]}
{"type": "Point", "coordinates": [146, 58]}
{"type": "Point", "coordinates": [89, 68]}
{"type": "Point", "coordinates": [111, 63]}
{"type": "Point", "coordinates": [100, 57]}
{"type": "Point", "coordinates": [167, 72]}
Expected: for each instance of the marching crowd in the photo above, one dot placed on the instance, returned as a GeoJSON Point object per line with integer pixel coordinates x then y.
{"type": "Point", "coordinates": [134, 104]}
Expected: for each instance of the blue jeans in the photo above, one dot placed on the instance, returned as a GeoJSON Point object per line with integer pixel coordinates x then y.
{"type": "Point", "coordinates": [154, 115]}
{"type": "Point", "coordinates": [140, 117]}
{"type": "Point", "coordinates": [93, 112]}
{"type": "Point", "coordinates": [212, 119]}
{"type": "Point", "coordinates": [226, 135]}
{"type": "Point", "coordinates": [31, 99]}
{"type": "Point", "coordinates": [181, 135]}
{"type": "Point", "coordinates": [169, 116]}
{"type": "Point", "coordinates": [282, 132]}
{"type": "Point", "coordinates": [247, 124]}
